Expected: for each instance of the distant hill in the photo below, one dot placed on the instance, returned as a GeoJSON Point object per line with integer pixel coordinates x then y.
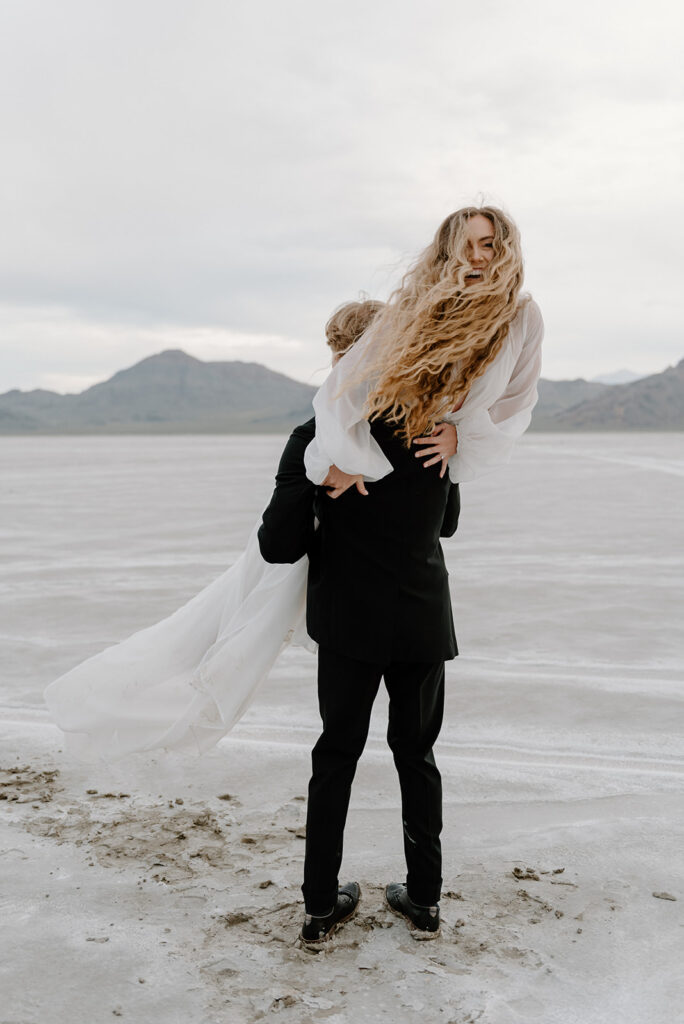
{"type": "Point", "coordinates": [173, 393]}
{"type": "Point", "coordinates": [167, 393]}
{"type": "Point", "coordinates": [619, 377]}
{"type": "Point", "coordinates": [555, 396]}
{"type": "Point", "coordinates": [652, 403]}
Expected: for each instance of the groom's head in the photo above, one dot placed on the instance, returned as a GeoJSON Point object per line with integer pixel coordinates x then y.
{"type": "Point", "coordinates": [348, 323]}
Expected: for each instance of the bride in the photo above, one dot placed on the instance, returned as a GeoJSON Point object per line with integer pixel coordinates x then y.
{"type": "Point", "coordinates": [453, 359]}
{"type": "Point", "coordinates": [457, 343]}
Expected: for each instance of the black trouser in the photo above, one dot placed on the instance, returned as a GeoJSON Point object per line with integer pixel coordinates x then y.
{"type": "Point", "coordinates": [346, 691]}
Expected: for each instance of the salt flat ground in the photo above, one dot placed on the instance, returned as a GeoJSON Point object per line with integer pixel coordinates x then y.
{"type": "Point", "coordinates": [169, 892]}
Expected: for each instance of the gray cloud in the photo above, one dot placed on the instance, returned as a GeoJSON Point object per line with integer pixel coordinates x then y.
{"type": "Point", "coordinates": [244, 167]}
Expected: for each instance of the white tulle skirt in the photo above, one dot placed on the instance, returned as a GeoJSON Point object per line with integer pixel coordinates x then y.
{"type": "Point", "coordinates": [184, 682]}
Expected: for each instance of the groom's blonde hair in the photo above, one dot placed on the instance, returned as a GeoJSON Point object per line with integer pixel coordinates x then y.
{"type": "Point", "coordinates": [349, 322]}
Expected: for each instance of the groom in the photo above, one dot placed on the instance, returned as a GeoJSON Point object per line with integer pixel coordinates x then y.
{"type": "Point", "coordinates": [378, 605]}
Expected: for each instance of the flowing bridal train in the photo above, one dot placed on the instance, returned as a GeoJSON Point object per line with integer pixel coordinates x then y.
{"type": "Point", "coordinates": [183, 683]}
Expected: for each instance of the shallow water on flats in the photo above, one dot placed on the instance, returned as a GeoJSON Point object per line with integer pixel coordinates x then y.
{"type": "Point", "coordinates": [566, 576]}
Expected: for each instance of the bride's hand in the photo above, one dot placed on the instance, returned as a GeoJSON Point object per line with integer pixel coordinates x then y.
{"type": "Point", "coordinates": [444, 442]}
{"type": "Point", "coordinates": [340, 482]}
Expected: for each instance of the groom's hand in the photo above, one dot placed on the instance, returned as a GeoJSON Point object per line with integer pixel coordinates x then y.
{"type": "Point", "coordinates": [339, 482]}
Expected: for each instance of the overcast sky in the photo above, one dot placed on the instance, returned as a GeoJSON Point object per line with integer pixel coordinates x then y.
{"type": "Point", "coordinates": [217, 176]}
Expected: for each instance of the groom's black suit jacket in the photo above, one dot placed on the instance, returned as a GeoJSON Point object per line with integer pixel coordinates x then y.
{"type": "Point", "coordinates": [378, 588]}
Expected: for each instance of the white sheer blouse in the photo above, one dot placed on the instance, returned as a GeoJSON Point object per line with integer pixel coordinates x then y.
{"type": "Point", "coordinates": [495, 413]}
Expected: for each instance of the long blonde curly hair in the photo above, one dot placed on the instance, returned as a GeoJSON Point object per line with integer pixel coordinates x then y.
{"type": "Point", "coordinates": [438, 334]}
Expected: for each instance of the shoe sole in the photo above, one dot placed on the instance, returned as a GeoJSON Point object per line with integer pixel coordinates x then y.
{"type": "Point", "coordinates": [419, 934]}
{"type": "Point", "coordinates": [320, 943]}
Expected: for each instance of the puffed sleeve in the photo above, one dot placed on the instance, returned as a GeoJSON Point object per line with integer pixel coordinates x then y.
{"type": "Point", "coordinates": [487, 436]}
{"type": "Point", "coordinates": [343, 436]}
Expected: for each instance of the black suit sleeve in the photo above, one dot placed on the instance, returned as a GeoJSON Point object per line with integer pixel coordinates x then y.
{"type": "Point", "coordinates": [452, 512]}
{"type": "Point", "coordinates": [287, 528]}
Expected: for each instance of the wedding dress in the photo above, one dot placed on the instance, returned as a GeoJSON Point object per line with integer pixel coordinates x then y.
{"type": "Point", "coordinates": [183, 683]}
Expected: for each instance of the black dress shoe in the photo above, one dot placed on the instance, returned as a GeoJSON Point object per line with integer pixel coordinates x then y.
{"type": "Point", "coordinates": [423, 922]}
{"type": "Point", "coordinates": [317, 930]}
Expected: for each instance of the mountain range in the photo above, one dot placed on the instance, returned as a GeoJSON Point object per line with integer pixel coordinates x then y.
{"type": "Point", "coordinates": [175, 393]}
{"type": "Point", "coordinates": [168, 393]}
{"type": "Point", "coordinates": [650, 403]}
{"type": "Point", "coordinates": [619, 377]}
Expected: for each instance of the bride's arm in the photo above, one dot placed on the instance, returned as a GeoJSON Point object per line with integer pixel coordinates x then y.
{"type": "Point", "coordinates": [486, 437]}
{"type": "Point", "coordinates": [343, 438]}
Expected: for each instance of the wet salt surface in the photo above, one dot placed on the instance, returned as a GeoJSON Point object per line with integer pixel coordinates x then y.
{"type": "Point", "coordinates": [566, 575]}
